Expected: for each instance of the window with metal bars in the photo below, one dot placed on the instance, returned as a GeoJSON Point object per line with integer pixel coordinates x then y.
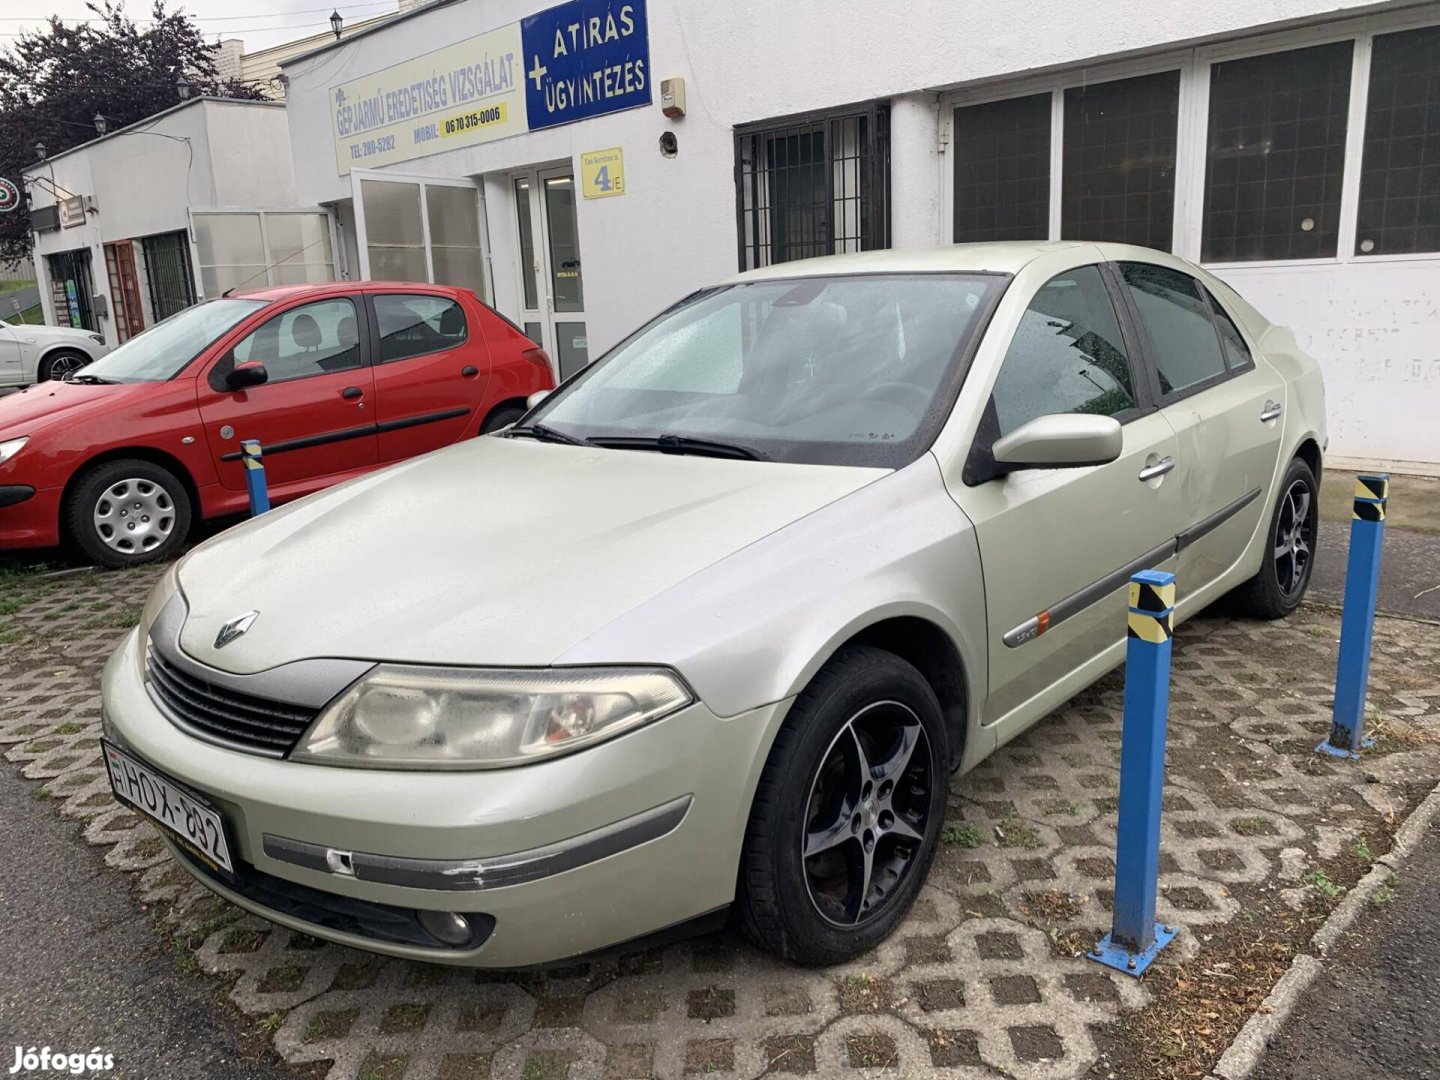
{"type": "Point", "coordinates": [817, 184]}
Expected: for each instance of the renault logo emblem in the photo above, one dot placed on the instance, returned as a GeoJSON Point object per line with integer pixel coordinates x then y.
{"type": "Point", "coordinates": [234, 628]}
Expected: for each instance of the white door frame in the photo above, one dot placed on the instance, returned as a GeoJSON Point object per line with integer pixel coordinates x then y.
{"type": "Point", "coordinates": [362, 244]}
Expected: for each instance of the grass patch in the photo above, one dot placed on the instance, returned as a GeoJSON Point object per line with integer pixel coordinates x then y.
{"type": "Point", "coordinates": [271, 1024]}
{"type": "Point", "coordinates": [1013, 832]}
{"type": "Point", "coordinates": [1317, 880]}
{"type": "Point", "coordinates": [1252, 826]}
{"type": "Point", "coordinates": [965, 836]}
{"type": "Point", "coordinates": [70, 728]}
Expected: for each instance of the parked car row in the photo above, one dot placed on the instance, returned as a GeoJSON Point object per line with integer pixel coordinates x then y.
{"type": "Point", "coordinates": [124, 454]}
{"type": "Point", "coordinates": [710, 628]}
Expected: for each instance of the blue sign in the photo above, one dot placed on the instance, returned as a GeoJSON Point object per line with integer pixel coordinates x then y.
{"type": "Point", "coordinates": [585, 58]}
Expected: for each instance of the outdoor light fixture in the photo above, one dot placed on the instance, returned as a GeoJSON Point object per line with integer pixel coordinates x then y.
{"type": "Point", "coordinates": [40, 151]}
{"type": "Point", "coordinates": [336, 23]}
{"type": "Point", "coordinates": [182, 88]}
{"type": "Point", "coordinates": [101, 124]}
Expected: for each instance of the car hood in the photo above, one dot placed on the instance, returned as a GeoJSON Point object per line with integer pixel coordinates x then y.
{"type": "Point", "coordinates": [496, 551]}
{"type": "Point", "coordinates": [49, 402]}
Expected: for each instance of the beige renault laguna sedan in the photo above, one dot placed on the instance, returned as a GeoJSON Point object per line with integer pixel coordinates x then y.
{"type": "Point", "coordinates": [715, 624]}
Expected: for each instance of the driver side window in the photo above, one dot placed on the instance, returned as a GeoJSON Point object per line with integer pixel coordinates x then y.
{"type": "Point", "coordinates": [1067, 355]}
{"type": "Point", "coordinates": [313, 339]}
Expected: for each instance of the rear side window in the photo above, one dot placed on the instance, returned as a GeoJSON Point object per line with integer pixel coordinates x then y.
{"type": "Point", "coordinates": [413, 325]}
{"type": "Point", "coordinates": [1067, 355]}
{"type": "Point", "coordinates": [1237, 353]}
{"type": "Point", "coordinates": [1177, 319]}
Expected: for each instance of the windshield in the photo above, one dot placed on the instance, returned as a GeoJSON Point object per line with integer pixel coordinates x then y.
{"type": "Point", "coordinates": [853, 370]}
{"type": "Point", "coordinates": [161, 351]}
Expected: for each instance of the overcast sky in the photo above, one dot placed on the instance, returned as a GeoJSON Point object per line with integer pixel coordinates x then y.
{"type": "Point", "coordinates": [265, 22]}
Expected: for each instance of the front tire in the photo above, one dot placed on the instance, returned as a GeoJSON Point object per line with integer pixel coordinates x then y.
{"type": "Point", "coordinates": [848, 811]}
{"type": "Point", "coordinates": [127, 512]}
{"type": "Point", "coordinates": [502, 417]}
{"type": "Point", "coordinates": [1279, 586]}
{"type": "Point", "coordinates": [60, 363]}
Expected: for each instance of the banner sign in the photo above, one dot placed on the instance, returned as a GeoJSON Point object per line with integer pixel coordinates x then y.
{"type": "Point", "coordinates": [585, 58]}
{"type": "Point", "coordinates": [461, 95]}
{"type": "Point", "coordinates": [581, 59]}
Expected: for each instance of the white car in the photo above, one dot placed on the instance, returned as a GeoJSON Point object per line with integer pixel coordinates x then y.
{"type": "Point", "coordinates": [717, 620]}
{"type": "Point", "coordinates": [31, 354]}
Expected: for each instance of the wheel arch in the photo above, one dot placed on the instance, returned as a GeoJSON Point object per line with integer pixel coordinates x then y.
{"type": "Point", "coordinates": [501, 406]}
{"type": "Point", "coordinates": [59, 347]}
{"type": "Point", "coordinates": [143, 453]}
{"type": "Point", "coordinates": [931, 651]}
{"type": "Point", "coordinates": [1309, 452]}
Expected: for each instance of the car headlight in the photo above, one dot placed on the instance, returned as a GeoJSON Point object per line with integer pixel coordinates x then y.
{"type": "Point", "coordinates": [12, 447]}
{"type": "Point", "coordinates": [466, 718]}
{"type": "Point", "coordinates": [165, 588]}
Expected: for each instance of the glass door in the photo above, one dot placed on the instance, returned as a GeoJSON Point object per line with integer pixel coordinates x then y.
{"type": "Point", "coordinates": [552, 285]}
{"type": "Point", "coordinates": [427, 229]}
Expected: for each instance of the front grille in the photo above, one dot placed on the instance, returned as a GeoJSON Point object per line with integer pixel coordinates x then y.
{"type": "Point", "coordinates": [234, 718]}
{"type": "Point", "coordinates": [343, 914]}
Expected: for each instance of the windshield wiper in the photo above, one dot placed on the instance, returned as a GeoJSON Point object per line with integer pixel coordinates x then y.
{"type": "Point", "coordinates": [546, 434]}
{"type": "Point", "coordinates": [91, 380]}
{"type": "Point", "coordinates": [677, 444]}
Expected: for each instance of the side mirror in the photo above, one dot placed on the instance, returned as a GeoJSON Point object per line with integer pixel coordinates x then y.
{"type": "Point", "coordinates": [536, 398]}
{"type": "Point", "coordinates": [1061, 441]}
{"type": "Point", "coordinates": [250, 373]}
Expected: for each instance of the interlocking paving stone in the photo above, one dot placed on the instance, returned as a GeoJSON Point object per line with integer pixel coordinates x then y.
{"type": "Point", "coordinates": [984, 978]}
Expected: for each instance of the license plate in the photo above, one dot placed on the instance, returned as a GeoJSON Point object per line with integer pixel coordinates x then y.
{"type": "Point", "coordinates": [165, 802]}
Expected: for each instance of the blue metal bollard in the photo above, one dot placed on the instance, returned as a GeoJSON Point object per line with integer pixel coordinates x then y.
{"type": "Point", "coordinates": [1357, 624]}
{"type": "Point", "coordinates": [251, 455]}
{"type": "Point", "coordinates": [1135, 937]}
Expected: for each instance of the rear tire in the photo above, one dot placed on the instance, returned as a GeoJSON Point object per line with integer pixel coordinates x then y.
{"type": "Point", "coordinates": [127, 512]}
{"type": "Point", "coordinates": [502, 417]}
{"type": "Point", "coordinates": [60, 363]}
{"type": "Point", "coordinates": [847, 813]}
{"type": "Point", "coordinates": [1290, 543]}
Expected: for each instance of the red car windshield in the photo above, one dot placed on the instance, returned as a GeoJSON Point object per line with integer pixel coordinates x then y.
{"type": "Point", "coordinates": [163, 350]}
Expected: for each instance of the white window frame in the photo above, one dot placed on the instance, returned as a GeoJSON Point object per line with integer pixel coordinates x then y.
{"type": "Point", "coordinates": [1193, 127]}
{"type": "Point", "coordinates": [263, 212]}
{"type": "Point", "coordinates": [362, 244]}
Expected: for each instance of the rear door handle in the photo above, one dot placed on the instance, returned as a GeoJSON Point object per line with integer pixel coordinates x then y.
{"type": "Point", "coordinates": [1160, 468]}
{"type": "Point", "coordinates": [350, 393]}
{"type": "Point", "coordinates": [1271, 411]}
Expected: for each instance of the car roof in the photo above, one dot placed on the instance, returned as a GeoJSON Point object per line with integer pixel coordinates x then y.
{"type": "Point", "coordinates": [334, 288]}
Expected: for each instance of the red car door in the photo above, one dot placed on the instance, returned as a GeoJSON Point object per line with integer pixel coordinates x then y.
{"type": "Point", "coordinates": [431, 371]}
{"type": "Point", "coordinates": [314, 415]}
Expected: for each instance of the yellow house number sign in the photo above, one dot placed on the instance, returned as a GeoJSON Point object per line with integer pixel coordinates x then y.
{"type": "Point", "coordinates": [602, 173]}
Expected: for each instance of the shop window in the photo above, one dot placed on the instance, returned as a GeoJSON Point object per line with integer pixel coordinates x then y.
{"type": "Point", "coordinates": [253, 249]}
{"type": "Point", "coordinates": [1275, 157]}
{"type": "Point", "coordinates": [1176, 317]}
{"type": "Point", "coordinates": [1400, 170]}
{"type": "Point", "coordinates": [817, 185]}
{"type": "Point", "coordinates": [1067, 355]}
{"type": "Point", "coordinates": [167, 269]}
{"type": "Point", "coordinates": [1119, 161]}
{"type": "Point", "coordinates": [1002, 170]}
{"type": "Point", "coordinates": [412, 325]}
{"type": "Point", "coordinates": [72, 289]}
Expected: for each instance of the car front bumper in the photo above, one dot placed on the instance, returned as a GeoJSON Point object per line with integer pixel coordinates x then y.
{"type": "Point", "coordinates": [29, 516]}
{"type": "Point", "coordinates": [567, 856]}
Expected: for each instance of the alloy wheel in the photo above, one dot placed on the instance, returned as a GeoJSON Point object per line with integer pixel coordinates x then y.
{"type": "Point", "coordinates": [65, 365]}
{"type": "Point", "coordinates": [867, 813]}
{"type": "Point", "coordinates": [134, 516]}
{"type": "Point", "coordinates": [1294, 538]}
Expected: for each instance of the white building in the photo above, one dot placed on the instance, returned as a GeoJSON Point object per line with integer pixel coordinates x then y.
{"type": "Point", "coordinates": [141, 222]}
{"type": "Point", "coordinates": [1292, 146]}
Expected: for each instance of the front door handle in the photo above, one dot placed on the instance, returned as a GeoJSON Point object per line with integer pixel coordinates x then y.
{"type": "Point", "coordinates": [1272, 411]}
{"type": "Point", "coordinates": [1160, 468]}
{"type": "Point", "coordinates": [469, 371]}
{"type": "Point", "coordinates": [351, 393]}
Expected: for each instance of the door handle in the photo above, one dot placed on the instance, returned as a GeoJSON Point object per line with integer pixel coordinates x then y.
{"type": "Point", "coordinates": [469, 371]}
{"type": "Point", "coordinates": [1160, 468]}
{"type": "Point", "coordinates": [1271, 411]}
{"type": "Point", "coordinates": [351, 393]}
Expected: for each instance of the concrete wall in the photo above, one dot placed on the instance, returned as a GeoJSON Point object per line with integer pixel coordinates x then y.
{"type": "Point", "coordinates": [749, 60]}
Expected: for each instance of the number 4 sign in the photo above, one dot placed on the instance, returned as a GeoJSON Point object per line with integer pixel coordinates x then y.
{"type": "Point", "coordinates": [602, 173]}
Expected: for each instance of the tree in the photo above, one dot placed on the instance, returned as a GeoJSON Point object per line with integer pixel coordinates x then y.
{"type": "Point", "coordinates": [54, 81]}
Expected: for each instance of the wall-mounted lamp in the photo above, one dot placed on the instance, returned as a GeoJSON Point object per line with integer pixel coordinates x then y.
{"type": "Point", "coordinates": [182, 88]}
{"type": "Point", "coordinates": [101, 124]}
{"type": "Point", "coordinates": [40, 151]}
{"type": "Point", "coordinates": [336, 23]}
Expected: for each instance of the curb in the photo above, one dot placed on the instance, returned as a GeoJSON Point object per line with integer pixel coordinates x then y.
{"type": "Point", "coordinates": [1248, 1047]}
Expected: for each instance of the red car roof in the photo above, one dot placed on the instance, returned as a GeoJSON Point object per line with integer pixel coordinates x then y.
{"type": "Point", "coordinates": [331, 288]}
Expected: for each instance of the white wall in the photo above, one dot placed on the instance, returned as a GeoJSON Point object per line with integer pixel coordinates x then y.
{"type": "Point", "coordinates": [744, 60]}
{"type": "Point", "coordinates": [146, 178]}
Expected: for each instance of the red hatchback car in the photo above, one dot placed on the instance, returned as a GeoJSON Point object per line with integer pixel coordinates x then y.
{"type": "Point", "coordinates": [333, 380]}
